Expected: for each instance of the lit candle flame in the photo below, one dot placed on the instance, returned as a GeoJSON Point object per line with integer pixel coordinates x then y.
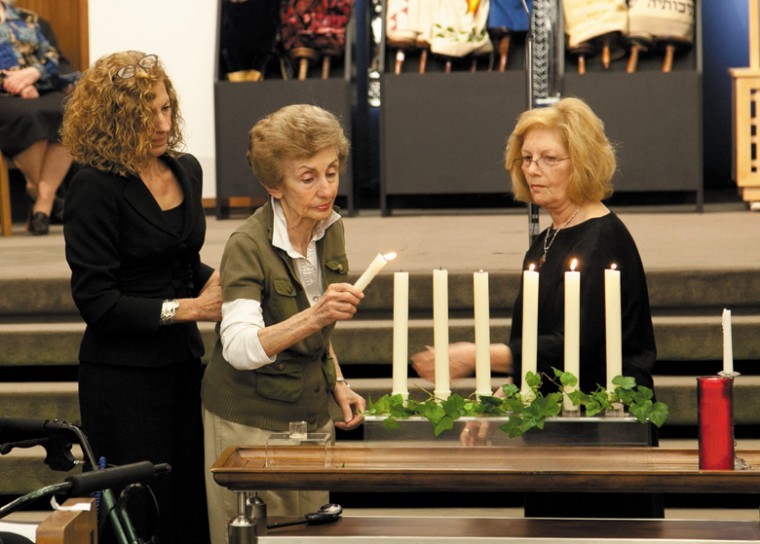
{"type": "Point", "coordinates": [532, 267]}
{"type": "Point", "coordinates": [613, 266]}
{"type": "Point", "coordinates": [573, 264]}
{"type": "Point", "coordinates": [389, 256]}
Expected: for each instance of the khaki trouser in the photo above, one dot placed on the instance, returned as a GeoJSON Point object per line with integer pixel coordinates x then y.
{"type": "Point", "coordinates": [218, 434]}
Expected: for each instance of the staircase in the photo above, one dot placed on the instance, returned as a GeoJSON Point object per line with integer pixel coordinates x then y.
{"type": "Point", "coordinates": [40, 331]}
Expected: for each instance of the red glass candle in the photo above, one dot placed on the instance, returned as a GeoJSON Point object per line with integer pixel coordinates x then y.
{"type": "Point", "coordinates": [716, 422]}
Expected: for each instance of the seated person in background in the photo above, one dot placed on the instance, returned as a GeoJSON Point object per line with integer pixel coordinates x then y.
{"type": "Point", "coordinates": [31, 110]}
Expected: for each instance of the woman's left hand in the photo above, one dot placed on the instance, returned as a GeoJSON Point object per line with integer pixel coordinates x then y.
{"type": "Point", "coordinates": [351, 404]}
{"type": "Point", "coordinates": [17, 80]}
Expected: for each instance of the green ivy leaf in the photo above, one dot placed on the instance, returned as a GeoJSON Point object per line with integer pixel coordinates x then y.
{"type": "Point", "coordinates": [445, 424]}
{"type": "Point", "coordinates": [624, 382]}
{"type": "Point", "coordinates": [510, 390]}
{"type": "Point", "coordinates": [532, 379]}
{"type": "Point", "coordinates": [525, 412]}
{"type": "Point", "coordinates": [390, 424]}
{"type": "Point", "coordinates": [659, 413]}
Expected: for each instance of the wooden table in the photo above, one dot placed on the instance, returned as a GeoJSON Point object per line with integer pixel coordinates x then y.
{"type": "Point", "coordinates": [455, 468]}
{"type": "Point", "coordinates": [458, 469]}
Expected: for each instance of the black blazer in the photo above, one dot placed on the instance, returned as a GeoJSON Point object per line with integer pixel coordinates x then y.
{"type": "Point", "coordinates": [125, 259]}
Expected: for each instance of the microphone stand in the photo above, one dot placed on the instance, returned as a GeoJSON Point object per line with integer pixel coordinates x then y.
{"type": "Point", "coordinates": [544, 80]}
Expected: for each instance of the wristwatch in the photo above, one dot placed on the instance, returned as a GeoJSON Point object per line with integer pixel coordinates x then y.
{"type": "Point", "coordinates": [168, 311]}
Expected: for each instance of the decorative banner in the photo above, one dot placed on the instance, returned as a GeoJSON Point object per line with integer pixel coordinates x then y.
{"type": "Point", "coordinates": [399, 22]}
{"type": "Point", "coordinates": [311, 28]}
{"type": "Point", "coordinates": [459, 29]}
{"type": "Point", "coordinates": [505, 19]}
{"type": "Point", "coordinates": [662, 19]}
{"type": "Point", "coordinates": [422, 12]}
{"type": "Point", "coordinates": [400, 31]}
{"type": "Point", "coordinates": [593, 24]}
{"type": "Point", "coordinates": [669, 24]}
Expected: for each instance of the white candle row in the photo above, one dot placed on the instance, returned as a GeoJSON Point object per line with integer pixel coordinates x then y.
{"type": "Point", "coordinates": [613, 324]}
{"type": "Point", "coordinates": [482, 329]}
{"type": "Point", "coordinates": [441, 333]}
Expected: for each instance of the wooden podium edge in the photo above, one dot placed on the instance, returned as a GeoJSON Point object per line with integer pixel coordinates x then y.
{"type": "Point", "coordinates": [70, 526]}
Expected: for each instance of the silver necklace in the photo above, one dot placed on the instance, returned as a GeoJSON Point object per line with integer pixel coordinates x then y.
{"type": "Point", "coordinates": [548, 243]}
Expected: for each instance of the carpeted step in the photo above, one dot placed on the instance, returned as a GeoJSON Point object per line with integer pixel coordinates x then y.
{"type": "Point", "coordinates": [679, 338]}
{"type": "Point", "coordinates": [40, 400]}
{"type": "Point", "coordinates": [29, 471]}
{"type": "Point", "coordinates": [34, 299]}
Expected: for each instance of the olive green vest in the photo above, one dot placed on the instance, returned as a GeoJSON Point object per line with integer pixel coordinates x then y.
{"type": "Point", "coordinates": [298, 385]}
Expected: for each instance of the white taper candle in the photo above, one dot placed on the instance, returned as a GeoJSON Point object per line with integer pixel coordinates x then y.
{"type": "Point", "coordinates": [401, 334]}
{"type": "Point", "coordinates": [482, 334]}
{"type": "Point", "coordinates": [613, 324]}
{"type": "Point", "coordinates": [572, 328]}
{"type": "Point", "coordinates": [441, 332]}
{"type": "Point", "coordinates": [530, 323]}
{"type": "Point", "coordinates": [728, 343]}
{"type": "Point", "coordinates": [377, 264]}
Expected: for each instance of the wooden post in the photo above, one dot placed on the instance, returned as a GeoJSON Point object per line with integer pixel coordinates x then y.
{"type": "Point", "coordinates": [754, 34]}
{"type": "Point", "coordinates": [745, 106]}
{"type": "Point", "coordinates": [70, 526]}
{"type": "Point", "coordinates": [5, 199]}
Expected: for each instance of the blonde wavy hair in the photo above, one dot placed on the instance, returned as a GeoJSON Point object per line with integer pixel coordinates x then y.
{"type": "Point", "coordinates": [592, 155]}
{"type": "Point", "coordinates": [295, 131]}
{"type": "Point", "coordinates": [108, 121]}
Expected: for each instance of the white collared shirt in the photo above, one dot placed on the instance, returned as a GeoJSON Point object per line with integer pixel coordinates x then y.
{"type": "Point", "coordinates": [242, 318]}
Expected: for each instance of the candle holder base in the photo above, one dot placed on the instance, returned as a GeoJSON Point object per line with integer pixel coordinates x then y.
{"type": "Point", "coordinates": [570, 431]}
{"type": "Point", "coordinates": [571, 411]}
{"type": "Point", "coordinates": [731, 375]}
{"type": "Point", "coordinates": [484, 393]}
{"type": "Point", "coordinates": [442, 395]}
{"type": "Point", "coordinates": [617, 410]}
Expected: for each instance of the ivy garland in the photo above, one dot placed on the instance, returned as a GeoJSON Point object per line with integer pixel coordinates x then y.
{"type": "Point", "coordinates": [526, 410]}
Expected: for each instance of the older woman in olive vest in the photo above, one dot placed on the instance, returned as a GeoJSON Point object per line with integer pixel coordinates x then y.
{"type": "Point", "coordinates": [284, 275]}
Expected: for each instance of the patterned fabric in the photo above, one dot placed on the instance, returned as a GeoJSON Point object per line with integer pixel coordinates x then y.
{"type": "Point", "coordinates": [459, 28]}
{"type": "Point", "coordinates": [400, 21]}
{"type": "Point", "coordinates": [508, 15]}
{"type": "Point", "coordinates": [589, 19]}
{"type": "Point", "coordinates": [315, 24]}
{"type": "Point", "coordinates": [22, 45]}
{"type": "Point", "coordinates": [673, 20]}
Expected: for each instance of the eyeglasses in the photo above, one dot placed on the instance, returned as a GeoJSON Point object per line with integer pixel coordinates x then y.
{"type": "Point", "coordinates": [541, 162]}
{"type": "Point", "coordinates": [146, 63]}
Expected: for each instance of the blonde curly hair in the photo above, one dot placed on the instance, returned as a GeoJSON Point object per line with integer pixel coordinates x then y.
{"type": "Point", "coordinates": [592, 154]}
{"type": "Point", "coordinates": [109, 121]}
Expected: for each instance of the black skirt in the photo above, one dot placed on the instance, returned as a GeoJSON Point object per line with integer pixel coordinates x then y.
{"type": "Point", "coordinates": [132, 414]}
{"type": "Point", "coordinates": [26, 121]}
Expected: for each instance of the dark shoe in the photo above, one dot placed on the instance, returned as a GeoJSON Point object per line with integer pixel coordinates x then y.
{"type": "Point", "coordinates": [39, 224]}
{"type": "Point", "coordinates": [56, 216]}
